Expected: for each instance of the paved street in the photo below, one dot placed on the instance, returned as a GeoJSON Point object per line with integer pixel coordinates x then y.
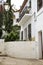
{"type": "Point", "coordinates": [15, 61]}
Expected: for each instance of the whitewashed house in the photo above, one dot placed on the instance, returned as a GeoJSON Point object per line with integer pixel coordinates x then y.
{"type": "Point", "coordinates": [16, 19]}
{"type": "Point", "coordinates": [31, 21]}
{"type": "Point", "coordinates": [27, 21]}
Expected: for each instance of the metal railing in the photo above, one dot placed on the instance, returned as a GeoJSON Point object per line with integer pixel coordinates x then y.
{"type": "Point", "coordinates": [25, 11]}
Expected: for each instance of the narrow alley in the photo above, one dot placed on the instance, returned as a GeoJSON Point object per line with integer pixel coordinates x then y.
{"type": "Point", "coordinates": [17, 61]}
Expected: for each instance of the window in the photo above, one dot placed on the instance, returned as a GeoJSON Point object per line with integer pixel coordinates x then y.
{"type": "Point", "coordinates": [29, 31]}
{"type": "Point", "coordinates": [25, 30]}
{"type": "Point", "coordinates": [39, 4]}
{"type": "Point", "coordinates": [30, 3]}
{"type": "Point", "coordinates": [17, 20]}
{"type": "Point", "coordinates": [22, 35]}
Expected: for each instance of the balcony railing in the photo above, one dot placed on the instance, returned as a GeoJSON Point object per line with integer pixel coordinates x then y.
{"type": "Point", "coordinates": [25, 11]}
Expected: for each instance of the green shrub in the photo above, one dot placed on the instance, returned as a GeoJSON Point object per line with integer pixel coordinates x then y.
{"type": "Point", "coordinates": [13, 36]}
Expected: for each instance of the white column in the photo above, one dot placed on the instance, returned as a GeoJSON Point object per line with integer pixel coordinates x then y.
{"type": "Point", "coordinates": [34, 6]}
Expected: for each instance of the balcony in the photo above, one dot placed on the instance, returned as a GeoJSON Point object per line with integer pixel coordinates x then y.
{"type": "Point", "coordinates": [25, 18]}
{"type": "Point", "coordinates": [25, 15]}
{"type": "Point", "coordinates": [25, 11]}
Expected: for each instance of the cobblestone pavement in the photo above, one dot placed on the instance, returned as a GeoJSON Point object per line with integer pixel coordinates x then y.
{"type": "Point", "coordinates": [16, 61]}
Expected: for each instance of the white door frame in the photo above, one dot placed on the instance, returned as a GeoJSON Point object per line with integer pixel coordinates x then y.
{"type": "Point", "coordinates": [40, 43]}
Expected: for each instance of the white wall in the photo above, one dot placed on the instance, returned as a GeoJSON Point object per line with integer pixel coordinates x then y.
{"type": "Point", "coordinates": [23, 49]}
{"type": "Point", "coordinates": [16, 17]}
{"type": "Point", "coordinates": [34, 6]}
{"type": "Point", "coordinates": [25, 25]}
{"type": "Point", "coordinates": [2, 46]}
{"type": "Point", "coordinates": [39, 26]}
{"type": "Point", "coordinates": [30, 20]}
{"type": "Point", "coordinates": [16, 14]}
{"type": "Point", "coordinates": [39, 23]}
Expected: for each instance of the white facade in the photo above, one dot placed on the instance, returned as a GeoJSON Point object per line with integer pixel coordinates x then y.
{"type": "Point", "coordinates": [28, 49]}
{"type": "Point", "coordinates": [29, 19]}
{"type": "Point", "coordinates": [15, 19]}
{"type": "Point", "coordinates": [20, 49]}
{"type": "Point", "coordinates": [36, 20]}
{"type": "Point", "coordinates": [23, 49]}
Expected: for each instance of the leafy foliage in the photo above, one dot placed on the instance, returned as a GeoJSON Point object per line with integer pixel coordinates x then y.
{"type": "Point", "coordinates": [14, 34]}
{"type": "Point", "coordinates": [1, 23]}
{"type": "Point", "coordinates": [8, 21]}
{"type": "Point", "coordinates": [9, 2]}
{"type": "Point", "coordinates": [12, 31]}
{"type": "Point", "coordinates": [8, 18]}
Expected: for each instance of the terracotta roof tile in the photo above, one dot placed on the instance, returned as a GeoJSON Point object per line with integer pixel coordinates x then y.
{"type": "Point", "coordinates": [24, 3]}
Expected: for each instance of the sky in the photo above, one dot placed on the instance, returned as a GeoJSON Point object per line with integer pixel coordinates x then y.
{"type": "Point", "coordinates": [17, 3]}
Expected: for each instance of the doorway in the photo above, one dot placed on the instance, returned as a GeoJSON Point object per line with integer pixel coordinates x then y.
{"type": "Point", "coordinates": [25, 30]}
{"type": "Point", "coordinates": [40, 44]}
